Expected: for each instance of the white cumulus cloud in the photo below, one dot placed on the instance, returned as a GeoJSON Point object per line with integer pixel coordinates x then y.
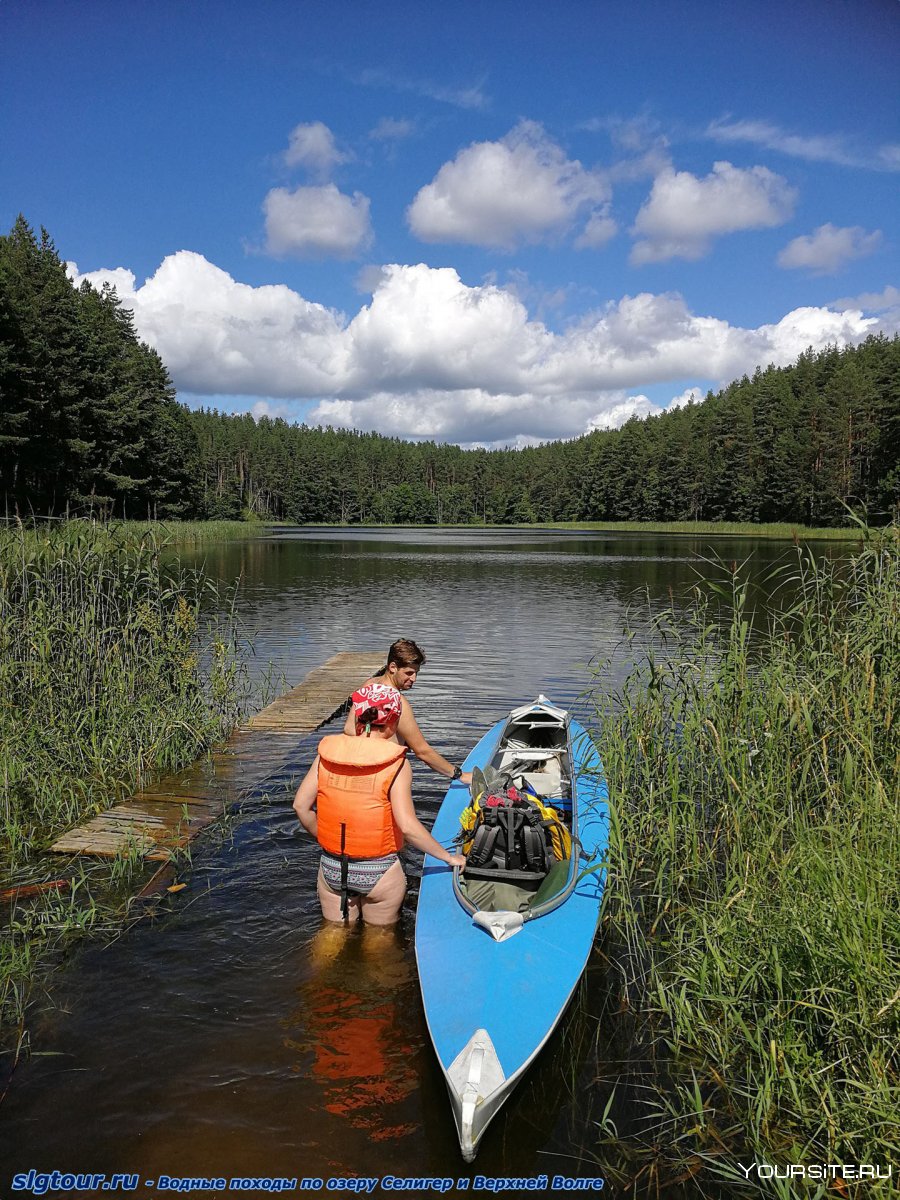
{"type": "Point", "coordinates": [430, 356]}
{"type": "Point", "coordinates": [473, 416]}
{"type": "Point", "coordinates": [521, 189]}
{"type": "Point", "coordinates": [683, 214]}
{"type": "Point", "coordinates": [120, 278]}
{"type": "Point", "coordinates": [221, 337]}
{"type": "Point", "coordinates": [871, 301]}
{"type": "Point", "coordinates": [829, 248]}
{"type": "Point", "coordinates": [316, 222]}
{"type": "Point", "coordinates": [425, 328]}
{"type": "Point", "coordinates": [313, 147]}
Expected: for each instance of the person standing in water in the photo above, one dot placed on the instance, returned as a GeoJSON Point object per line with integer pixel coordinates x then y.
{"type": "Point", "coordinates": [356, 800]}
{"type": "Point", "coordinates": [401, 671]}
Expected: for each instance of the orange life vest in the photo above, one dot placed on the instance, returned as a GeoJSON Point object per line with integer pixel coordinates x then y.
{"type": "Point", "coordinates": [355, 777]}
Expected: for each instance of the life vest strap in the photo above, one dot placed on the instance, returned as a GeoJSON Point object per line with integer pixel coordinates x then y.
{"type": "Point", "coordinates": [345, 896]}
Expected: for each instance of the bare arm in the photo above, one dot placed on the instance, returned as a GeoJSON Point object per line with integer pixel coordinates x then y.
{"type": "Point", "coordinates": [304, 801]}
{"type": "Point", "coordinates": [410, 733]}
{"type": "Point", "coordinates": [411, 827]}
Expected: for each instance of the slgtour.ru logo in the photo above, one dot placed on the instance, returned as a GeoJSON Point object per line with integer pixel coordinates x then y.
{"type": "Point", "coordinates": [845, 1171]}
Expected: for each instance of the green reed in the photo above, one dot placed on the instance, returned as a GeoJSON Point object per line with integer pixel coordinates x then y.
{"type": "Point", "coordinates": [754, 891]}
{"type": "Point", "coordinates": [109, 672]}
{"type": "Point", "coordinates": [193, 532]}
{"type": "Point", "coordinates": [779, 531]}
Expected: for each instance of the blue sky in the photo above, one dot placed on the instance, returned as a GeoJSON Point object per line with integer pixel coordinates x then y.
{"type": "Point", "coordinates": [486, 223]}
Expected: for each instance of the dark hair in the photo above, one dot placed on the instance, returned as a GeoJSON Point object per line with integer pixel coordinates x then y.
{"type": "Point", "coordinates": [405, 653]}
{"type": "Point", "coordinates": [370, 716]}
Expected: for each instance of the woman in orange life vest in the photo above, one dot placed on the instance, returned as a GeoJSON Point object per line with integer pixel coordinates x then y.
{"type": "Point", "coordinates": [404, 660]}
{"type": "Point", "coordinates": [356, 800]}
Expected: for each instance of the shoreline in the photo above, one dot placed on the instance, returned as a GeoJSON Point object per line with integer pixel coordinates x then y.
{"type": "Point", "coordinates": [771, 531]}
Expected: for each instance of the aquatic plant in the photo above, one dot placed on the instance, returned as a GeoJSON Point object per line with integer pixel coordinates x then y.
{"type": "Point", "coordinates": [180, 533]}
{"type": "Point", "coordinates": [111, 670]}
{"type": "Point", "coordinates": [754, 891]}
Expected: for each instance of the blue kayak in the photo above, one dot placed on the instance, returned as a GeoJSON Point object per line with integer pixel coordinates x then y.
{"type": "Point", "coordinates": [501, 944]}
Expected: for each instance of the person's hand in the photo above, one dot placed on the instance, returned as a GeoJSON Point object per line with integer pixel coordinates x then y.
{"type": "Point", "coordinates": [466, 778]}
{"type": "Point", "coordinates": [456, 860]}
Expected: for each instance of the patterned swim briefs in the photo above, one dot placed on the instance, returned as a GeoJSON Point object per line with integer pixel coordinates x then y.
{"type": "Point", "coordinates": [362, 873]}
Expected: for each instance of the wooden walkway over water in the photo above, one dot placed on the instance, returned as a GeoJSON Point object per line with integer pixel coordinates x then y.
{"type": "Point", "coordinates": [168, 815]}
{"type": "Point", "coordinates": [318, 697]}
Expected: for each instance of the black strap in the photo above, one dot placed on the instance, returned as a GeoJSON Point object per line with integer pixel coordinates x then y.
{"type": "Point", "coordinates": [533, 847]}
{"type": "Point", "coordinates": [483, 845]}
{"type": "Point", "coordinates": [345, 900]}
{"type": "Point", "coordinates": [509, 817]}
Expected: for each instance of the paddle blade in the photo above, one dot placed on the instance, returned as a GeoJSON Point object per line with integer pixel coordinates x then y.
{"type": "Point", "coordinates": [478, 787]}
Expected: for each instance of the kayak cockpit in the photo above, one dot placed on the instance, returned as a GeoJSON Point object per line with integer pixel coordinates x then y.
{"type": "Point", "coordinates": [521, 856]}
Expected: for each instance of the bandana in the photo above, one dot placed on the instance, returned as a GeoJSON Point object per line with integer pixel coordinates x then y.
{"type": "Point", "coordinates": [381, 697]}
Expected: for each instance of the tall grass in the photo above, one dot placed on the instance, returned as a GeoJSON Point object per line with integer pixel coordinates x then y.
{"type": "Point", "coordinates": [194, 532]}
{"type": "Point", "coordinates": [755, 882]}
{"type": "Point", "coordinates": [172, 533]}
{"type": "Point", "coordinates": [109, 672]}
{"type": "Point", "coordinates": [780, 531]}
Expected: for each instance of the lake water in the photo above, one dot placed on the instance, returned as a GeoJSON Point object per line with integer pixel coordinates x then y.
{"type": "Point", "coordinates": [232, 1035]}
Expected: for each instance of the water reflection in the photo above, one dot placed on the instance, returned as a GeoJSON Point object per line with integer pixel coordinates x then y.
{"type": "Point", "coordinates": [515, 611]}
{"type": "Point", "coordinates": [350, 1028]}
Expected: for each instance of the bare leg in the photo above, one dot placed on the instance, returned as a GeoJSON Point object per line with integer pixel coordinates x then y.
{"type": "Point", "coordinates": [331, 901]}
{"type": "Point", "coordinates": [382, 905]}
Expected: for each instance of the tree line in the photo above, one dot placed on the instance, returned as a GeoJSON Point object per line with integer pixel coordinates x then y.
{"type": "Point", "coordinates": [803, 443]}
{"type": "Point", "coordinates": [89, 421]}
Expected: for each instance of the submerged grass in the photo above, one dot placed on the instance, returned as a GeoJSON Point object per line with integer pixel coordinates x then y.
{"type": "Point", "coordinates": [754, 891]}
{"type": "Point", "coordinates": [109, 673]}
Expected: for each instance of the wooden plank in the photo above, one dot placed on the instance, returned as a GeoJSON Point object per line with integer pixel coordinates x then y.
{"type": "Point", "coordinates": [170, 812]}
{"type": "Point", "coordinates": [167, 814]}
{"type": "Point", "coordinates": [124, 831]}
{"type": "Point", "coordinates": [215, 800]}
{"type": "Point", "coordinates": [179, 795]}
{"type": "Point", "coordinates": [104, 844]}
{"type": "Point", "coordinates": [97, 850]}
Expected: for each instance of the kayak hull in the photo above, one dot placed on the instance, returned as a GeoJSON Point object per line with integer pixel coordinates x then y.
{"type": "Point", "coordinates": [491, 1005]}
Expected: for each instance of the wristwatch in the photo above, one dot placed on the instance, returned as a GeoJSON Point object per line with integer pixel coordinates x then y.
{"type": "Point", "coordinates": [457, 773]}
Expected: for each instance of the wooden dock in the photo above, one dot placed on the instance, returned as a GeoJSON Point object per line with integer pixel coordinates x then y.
{"type": "Point", "coordinates": [165, 817]}
{"type": "Point", "coordinates": [319, 696]}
